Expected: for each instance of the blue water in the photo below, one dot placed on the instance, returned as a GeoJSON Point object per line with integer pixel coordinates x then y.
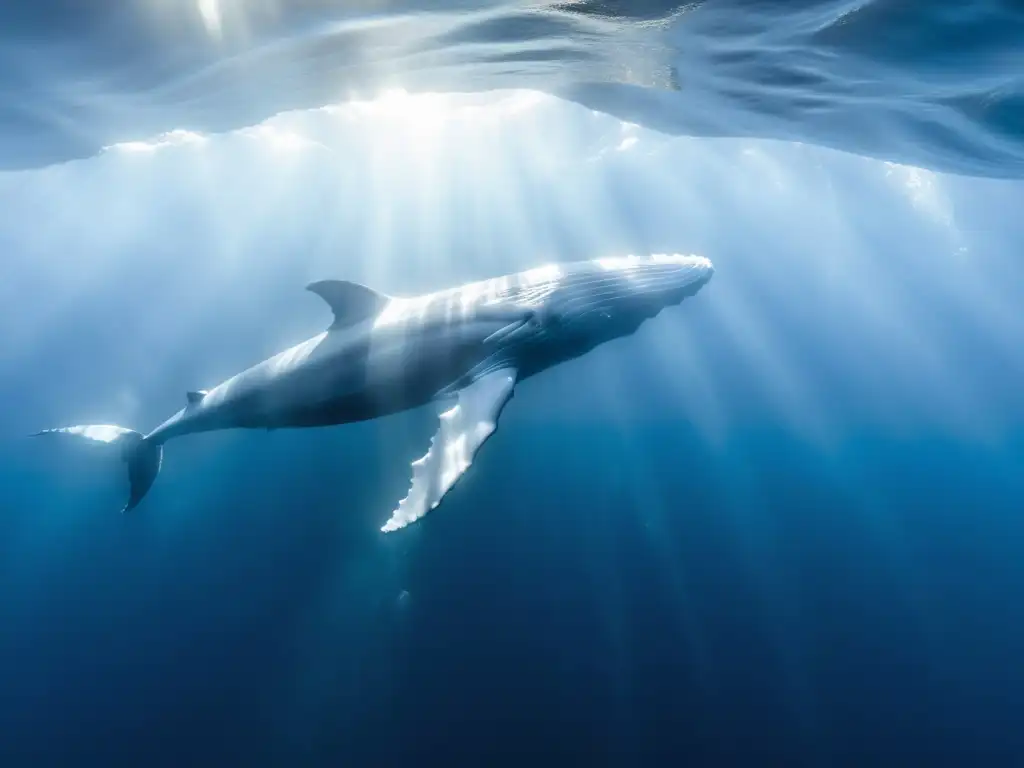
{"type": "Point", "coordinates": [781, 525]}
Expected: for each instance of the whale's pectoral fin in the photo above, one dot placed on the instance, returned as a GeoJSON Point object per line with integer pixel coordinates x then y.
{"type": "Point", "coordinates": [464, 428]}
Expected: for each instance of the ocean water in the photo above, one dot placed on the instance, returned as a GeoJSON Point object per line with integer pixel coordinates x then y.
{"type": "Point", "coordinates": [782, 524]}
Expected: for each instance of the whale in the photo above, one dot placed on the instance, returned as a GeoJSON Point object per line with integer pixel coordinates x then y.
{"type": "Point", "coordinates": [463, 349]}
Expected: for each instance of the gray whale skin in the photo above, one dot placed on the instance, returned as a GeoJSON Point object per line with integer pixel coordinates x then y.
{"type": "Point", "coordinates": [463, 348]}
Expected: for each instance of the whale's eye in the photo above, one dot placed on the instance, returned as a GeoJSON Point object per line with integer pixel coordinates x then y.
{"type": "Point", "coordinates": [550, 319]}
{"type": "Point", "coordinates": [541, 319]}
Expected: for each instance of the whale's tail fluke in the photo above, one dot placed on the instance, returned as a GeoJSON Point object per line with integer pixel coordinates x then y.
{"type": "Point", "coordinates": [142, 456]}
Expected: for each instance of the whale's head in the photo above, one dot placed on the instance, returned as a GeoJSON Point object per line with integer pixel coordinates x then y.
{"type": "Point", "coordinates": [620, 293]}
{"type": "Point", "coordinates": [632, 284]}
{"type": "Point", "coordinates": [592, 302]}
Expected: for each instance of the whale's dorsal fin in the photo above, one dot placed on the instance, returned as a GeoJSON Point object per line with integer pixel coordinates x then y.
{"type": "Point", "coordinates": [196, 396]}
{"type": "Point", "coordinates": [350, 302]}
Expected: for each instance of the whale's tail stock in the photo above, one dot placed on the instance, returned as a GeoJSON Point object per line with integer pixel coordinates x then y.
{"type": "Point", "coordinates": [142, 456]}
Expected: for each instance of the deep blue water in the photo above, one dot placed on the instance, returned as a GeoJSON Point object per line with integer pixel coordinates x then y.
{"type": "Point", "coordinates": [783, 524]}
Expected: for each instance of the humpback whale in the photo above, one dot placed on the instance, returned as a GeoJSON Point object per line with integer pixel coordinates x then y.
{"type": "Point", "coordinates": [464, 348]}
